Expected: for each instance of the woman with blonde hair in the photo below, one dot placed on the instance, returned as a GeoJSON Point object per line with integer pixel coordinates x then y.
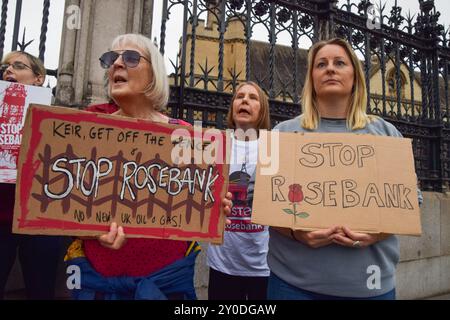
{"type": "Point", "coordinates": [332, 263]}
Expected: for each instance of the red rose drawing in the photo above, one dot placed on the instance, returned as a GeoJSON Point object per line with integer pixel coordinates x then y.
{"type": "Point", "coordinates": [295, 196]}
{"type": "Point", "coordinates": [295, 193]}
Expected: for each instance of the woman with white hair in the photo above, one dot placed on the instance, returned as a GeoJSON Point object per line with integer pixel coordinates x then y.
{"type": "Point", "coordinates": [112, 266]}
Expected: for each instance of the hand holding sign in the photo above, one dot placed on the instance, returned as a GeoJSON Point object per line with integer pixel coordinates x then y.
{"type": "Point", "coordinates": [114, 239]}
{"type": "Point", "coordinates": [356, 239]}
{"type": "Point", "coordinates": [316, 239]}
{"type": "Point", "coordinates": [227, 203]}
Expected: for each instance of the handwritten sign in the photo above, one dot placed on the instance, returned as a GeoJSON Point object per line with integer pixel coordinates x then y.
{"type": "Point", "coordinates": [364, 182]}
{"type": "Point", "coordinates": [80, 171]}
{"type": "Point", "coordinates": [14, 100]}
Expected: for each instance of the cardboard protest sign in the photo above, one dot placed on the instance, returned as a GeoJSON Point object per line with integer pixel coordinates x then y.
{"type": "Point", "coordinates": [364, 182]}
{"type": "Point", "coordinates": [80, 171]}
{"type": "Point", "coordinates": [14, 99]}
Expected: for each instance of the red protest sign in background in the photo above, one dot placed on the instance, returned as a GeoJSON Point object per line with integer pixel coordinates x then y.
{"type": "Point", "coordinates": [14, 100]}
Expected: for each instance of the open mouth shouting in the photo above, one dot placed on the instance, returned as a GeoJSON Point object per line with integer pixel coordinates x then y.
{"type": "Point", "coordinates": [244, 111]}
{"type": "Point", "coordinates": [118, 79]}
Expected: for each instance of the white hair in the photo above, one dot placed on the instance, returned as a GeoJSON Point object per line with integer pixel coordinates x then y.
{"type": "Point", "coordinates": [158, 89]}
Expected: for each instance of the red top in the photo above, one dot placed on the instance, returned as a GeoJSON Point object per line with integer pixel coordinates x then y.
{"type": "Point", "coordinates": [103, 108]}
{"type": "Point", "coordinates": [138, 257]}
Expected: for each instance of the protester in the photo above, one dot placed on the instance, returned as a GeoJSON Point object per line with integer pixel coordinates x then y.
{"type": "Point", "coordinates": [38, 255]}
{"type": "Point", "coordinates": [113, 267]}
{"type": "Point", "coordinates": [238, 268]}
{"type": "Point", "coordinates": [333, 263]}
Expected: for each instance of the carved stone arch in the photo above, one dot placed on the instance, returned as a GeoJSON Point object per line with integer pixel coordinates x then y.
{"type": "Point", "coordinates": [392, 83]}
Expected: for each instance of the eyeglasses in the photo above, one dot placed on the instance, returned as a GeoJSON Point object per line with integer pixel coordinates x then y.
{"type": "Point", "coordinates": [130, 58]}
{"type": "Point", "coordinates": [17, 65]}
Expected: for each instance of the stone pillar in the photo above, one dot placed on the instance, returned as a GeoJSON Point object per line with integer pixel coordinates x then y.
{"type": "Point", "coordinates": [326, 20]}
{"type": "Point", "coordinates": [81, 79]}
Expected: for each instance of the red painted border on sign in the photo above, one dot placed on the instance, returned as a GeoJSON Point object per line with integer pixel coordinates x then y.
{"type": "Point", "coordinates": [29, 169]}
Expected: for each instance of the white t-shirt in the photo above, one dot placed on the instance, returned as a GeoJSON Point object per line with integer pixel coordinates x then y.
{"type": "Point", "coordinates": [245, 245]}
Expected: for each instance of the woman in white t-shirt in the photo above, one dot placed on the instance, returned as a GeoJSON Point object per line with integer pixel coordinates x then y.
{"type": "Point", "coordinates": [238, 268]}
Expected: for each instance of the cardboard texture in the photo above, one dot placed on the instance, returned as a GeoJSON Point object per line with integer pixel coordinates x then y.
{"type": "Point", "coordinates": [15, 98]}
{"type": "Point", "coordinates": [80, 171]}
{"type": "Point", "coordinates": [365, 182]}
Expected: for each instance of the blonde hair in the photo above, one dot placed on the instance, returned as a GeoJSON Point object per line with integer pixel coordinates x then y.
{"type": "Point", "coordinates": [357, 118]}
{"type": "Point", "coordinates": [37, 66]}
{"type": "Point", "coordinates": [264, 112]}
{"type": "Point", "coordinates": [157, 90]}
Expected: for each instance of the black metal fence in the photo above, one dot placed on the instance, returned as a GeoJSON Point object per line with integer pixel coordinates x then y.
{"type": "Point", "coordinates": [406, 61]}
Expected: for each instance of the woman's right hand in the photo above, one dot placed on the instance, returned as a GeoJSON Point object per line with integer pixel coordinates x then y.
{"type": "Point", "coordinates": [114, 239]}
{"type": "Point", "coordinates": [313, 239]}
{"type": "Point", "coordinates": [318, 238]}
{"type": "Point", "coordinates": [227, 204]}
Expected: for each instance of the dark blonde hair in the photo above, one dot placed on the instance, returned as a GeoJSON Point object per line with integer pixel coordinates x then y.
{"type": "Point", "coordinates": [357, 117]}
{"type": "Point", "coordinates": [35, 63]}
{"type": "Point", "coordinates": [264, 112]}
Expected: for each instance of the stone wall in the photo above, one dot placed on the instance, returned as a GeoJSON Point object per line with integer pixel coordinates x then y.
{"type": "Point", "coordinates": [424, 269]}
{"type": "Point", "coordinates": [80, 77]}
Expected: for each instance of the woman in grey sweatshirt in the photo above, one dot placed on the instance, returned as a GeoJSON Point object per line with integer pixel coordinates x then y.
{"type": "Point", "coordinates": [336, 263]}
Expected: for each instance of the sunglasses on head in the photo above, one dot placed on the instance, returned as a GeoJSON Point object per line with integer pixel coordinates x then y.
{"type": "Point", "coordinates": [17, 65]}
{"type": "Point", "coordinates": [130, 58]}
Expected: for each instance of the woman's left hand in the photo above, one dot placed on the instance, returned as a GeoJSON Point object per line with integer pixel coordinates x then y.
{"type": "Point", "coordinates": [356, 239]}
{"type": "Point", "coordinates": [227, 203]}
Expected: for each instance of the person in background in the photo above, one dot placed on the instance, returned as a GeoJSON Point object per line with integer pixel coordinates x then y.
{"type": "Point", "coordinates": [38, 255]}
{"type": "Point", "coordinates": [238, 268]}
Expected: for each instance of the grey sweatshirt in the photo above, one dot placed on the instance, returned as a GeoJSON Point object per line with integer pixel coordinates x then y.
{"type": "Point", "coordinates": [334, 269]}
